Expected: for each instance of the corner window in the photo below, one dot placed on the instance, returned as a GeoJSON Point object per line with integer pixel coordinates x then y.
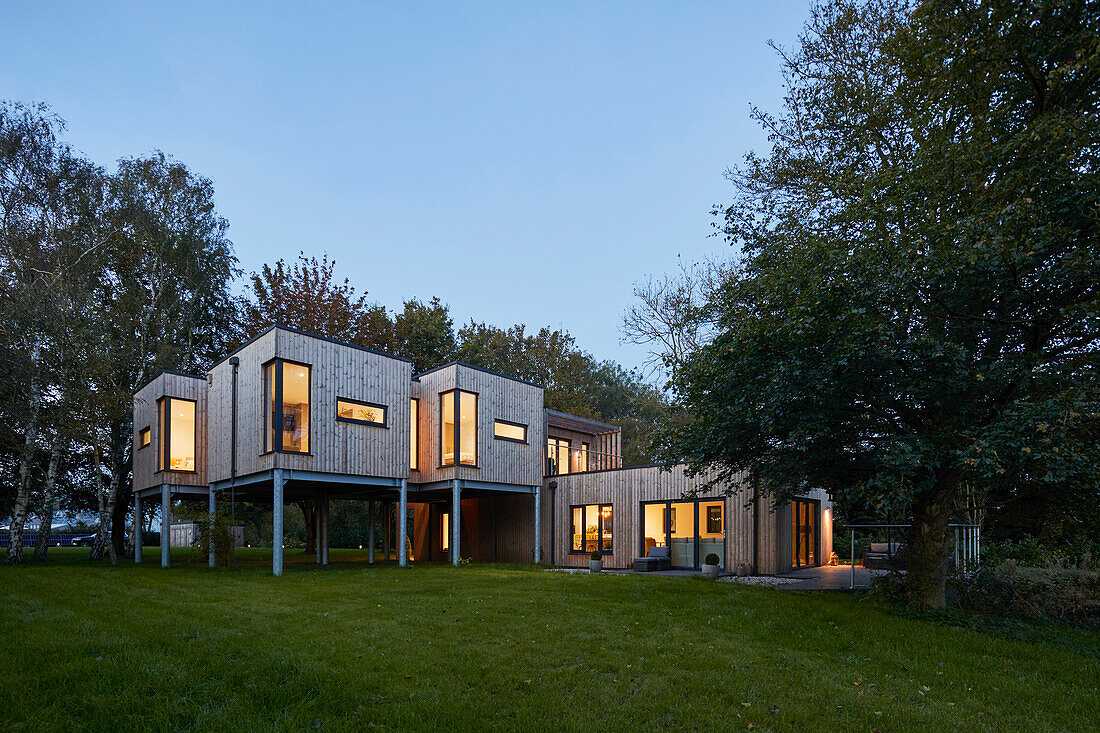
{"type": "Point", "coordinates": [458, 428]}
{"type": "Point", "coordinates": [145, 438]}
{"type": "Point", "coordinates": [590, 529]}
{"type": "Point", "coordinates": [513, 431]}
{"type": "Point", "coordinates": [365, 413]}
{"type": "Point", "coordinates": [557, 456]}
{"type": "Point", "coordinates": [287, 406]}
{"type": "Point", "coordinates": [414, 434]}
{"type": "Point", "coordinates": [177, 444]}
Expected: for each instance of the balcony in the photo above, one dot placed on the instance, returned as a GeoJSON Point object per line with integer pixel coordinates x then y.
{"type": "Point", "coordinates": [564, 460]}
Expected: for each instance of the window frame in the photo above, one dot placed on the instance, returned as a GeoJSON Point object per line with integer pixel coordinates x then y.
{"type": "Point", "coordinates": [145, 437]}
{"type": "Point", "coordinates": [458, 429]}
{"type": "Point", "coordinates": [599, 528]}
{"type": "Point", "coordinates": [164, 440]}
{"type": "Point", "coordinates": [384, 408]}
{"type": "Point", "coordinates": [558, 446]}
{"type": "Point", "coordinates": [277, 396]}
{"type": "Point", "coordinates": [514, 425]}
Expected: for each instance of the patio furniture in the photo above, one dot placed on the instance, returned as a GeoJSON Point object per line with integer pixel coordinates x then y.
{"type": "Point", "coordinates": [656, 558]}
{"type": "Point", "coordinates": [884, 555]}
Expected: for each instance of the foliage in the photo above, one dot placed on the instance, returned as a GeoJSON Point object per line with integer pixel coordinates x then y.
{"type": "Point", "coordinates": [1032, 594]}
{"type": "Point", "coordinates": [712, 559]}
{"type": "Point", "coordinates": [917, 305]}
{"type": "Point", "coordinates": [424, 333]}
{"type": "Point", "coordinates": [596, 555]}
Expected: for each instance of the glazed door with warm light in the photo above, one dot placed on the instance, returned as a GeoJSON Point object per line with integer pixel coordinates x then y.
{"type": "Point", "coordinates": [690, 529]}
{"type": "Point", "coordinates": [803, 533]}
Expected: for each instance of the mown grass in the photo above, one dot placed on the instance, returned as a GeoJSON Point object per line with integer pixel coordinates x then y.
{"type": "Point", "coordinates": [351, 647]}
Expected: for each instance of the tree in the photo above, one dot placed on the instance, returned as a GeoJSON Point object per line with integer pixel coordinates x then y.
{"type": "Point", "coordinates": [308, 296]}
{"type": "Point", "coordinates": [424, 333]}
{"type": "Point", "coordinates": [916, 306]}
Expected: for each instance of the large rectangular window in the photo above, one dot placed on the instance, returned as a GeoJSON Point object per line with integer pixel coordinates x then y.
{"type": "Point", "coordinates": [690, 529]}
{"type": "Point", "coordinates": [591, 527]}
{"type": "Point", "coordinates": [458, 438]}
{"type": "Point", "coordinates": [286, 406]}
{"type": "Point", "coordinates": [414, 434]}
{"type": "Point", "coordinates": [365, 413]}
{"type": "Point", "coordinates": [557, 456]}
{"type": "Point", "coordinates": [178, 443]}
{"type": "Point", "coordinates": [513, 431]}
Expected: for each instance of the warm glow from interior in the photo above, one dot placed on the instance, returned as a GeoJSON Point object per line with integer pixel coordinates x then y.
{"type": "Point", "coordinates": [467, 434]}
{"type": "Point", "coordinates": [445, 524]}
{"type": "Point", "coordinates": [447, 406]}
{"type": "Point", "coordinates": [182, 436]}
{"type": "Point", "coordinates": [414, 430]}
{"type": "Point", "coordinates": [373, 414]}
{"type": "Point", "coordinates": [295, 412]}
{"type": "Point", "coordinates": [509, 431]}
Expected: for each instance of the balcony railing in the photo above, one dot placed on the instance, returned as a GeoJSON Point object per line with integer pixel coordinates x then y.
{"type": "Point", "coordinates": [578, 460]}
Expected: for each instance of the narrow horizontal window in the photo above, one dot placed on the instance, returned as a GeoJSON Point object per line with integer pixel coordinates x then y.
{"type": "Point", "coordinates": [514, 431]}
{"type": "Point", "coordinates": [366, 413]}
{"type": "Point", "coordinates": [145, 438]}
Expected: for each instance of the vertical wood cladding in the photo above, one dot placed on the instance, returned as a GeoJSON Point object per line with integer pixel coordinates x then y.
{"type": "Point", "coordinates": [181, 386]}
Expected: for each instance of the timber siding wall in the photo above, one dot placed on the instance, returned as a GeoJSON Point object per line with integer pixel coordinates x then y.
{"type": "Point", "coordinates": [336, 370]}
{"type": "Point", "coordinates": [167, 384]}
{"type": "Point", "coordinates": [498, 397]}
{"type": "Point", "coordinates": [625, 489]}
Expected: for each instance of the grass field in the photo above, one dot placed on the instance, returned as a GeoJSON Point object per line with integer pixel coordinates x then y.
{"type": "Point", "coordinates": [434, 647]}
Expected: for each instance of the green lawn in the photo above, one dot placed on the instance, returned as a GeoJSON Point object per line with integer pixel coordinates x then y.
{"type": "Point", "coordinates": [434, 647]}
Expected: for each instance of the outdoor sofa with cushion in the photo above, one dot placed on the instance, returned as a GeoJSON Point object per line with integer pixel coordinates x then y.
{"type": "Point", "coordinates": [656, 558]}
{"type": "Point", "coordinates": [884, 555]}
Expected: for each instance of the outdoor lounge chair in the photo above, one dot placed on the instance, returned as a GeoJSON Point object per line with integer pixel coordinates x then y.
{"type": "Point", "coordinates": [884, 555]}
{"type": "Point", "coordinates": [656, 558]}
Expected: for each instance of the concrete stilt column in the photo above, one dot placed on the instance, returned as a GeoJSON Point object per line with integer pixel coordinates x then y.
{"type": "Point", "coordinates": [370, 531]}
{"type": "Point", "coordinates": [538, 522]}
{"type": "Point", "coordinates": [324, 531]}
{"type": "Point", "coordinates": [456, 522]}
{"type": "Point", "coordinates": [402, 523]}
{"type": "Point", "coordinates": [213, 506]}
{"type": "Point", "coordinates": [165, 525]}
{"type": "Point", "coordinates": [138, 521]}
{"type": "Point", "coordinates": [277, 522]}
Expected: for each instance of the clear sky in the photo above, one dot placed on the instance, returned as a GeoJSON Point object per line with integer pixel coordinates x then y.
{"type": "Point", "coordinates": [526, 162]}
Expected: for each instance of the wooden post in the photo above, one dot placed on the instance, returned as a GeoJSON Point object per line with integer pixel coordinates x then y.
{"type": "Point", "coordinates": [402, 523]}
{"type": "Point", "coordinates": [277, 522]}
{"type": "Point", "coordinates": [324, 532]}
{"type": "Point", "coordinates": [456, 523]}
{"type": "Point", "coordinates": [138, 521]}
{"type": "Point", "coordinates": [538, 511]}
{"type": "Point", "coordinates": [165, 525]}
{"type": "Point", "coordinates": [370, 531]}
{"type": "Point", "coordinates": [212, 504]}
{"type": "Point", "coordinates": [386, 531]}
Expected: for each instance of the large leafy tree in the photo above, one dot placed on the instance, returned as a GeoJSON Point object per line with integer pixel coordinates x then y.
{"type": "Point", "coordinates": [917, 306]}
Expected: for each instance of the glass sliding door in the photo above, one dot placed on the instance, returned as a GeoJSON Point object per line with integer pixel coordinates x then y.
{"type": "Point", "coordinates": [690, 529]}
{"type": "Point", "coordinates": [803, 533]}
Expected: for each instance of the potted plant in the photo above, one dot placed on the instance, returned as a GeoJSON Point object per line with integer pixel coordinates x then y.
{"type": "Point", "coordinates": [595, 561]}
{"type": "Point", "coordinates": [710, 566]}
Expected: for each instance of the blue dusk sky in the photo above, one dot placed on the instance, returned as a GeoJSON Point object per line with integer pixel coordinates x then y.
{"type": "Point", "coordinates": [527, 163]}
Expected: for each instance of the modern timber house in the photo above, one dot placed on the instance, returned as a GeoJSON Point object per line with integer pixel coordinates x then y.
{"type": "Point", "coordinates": [471, 459]}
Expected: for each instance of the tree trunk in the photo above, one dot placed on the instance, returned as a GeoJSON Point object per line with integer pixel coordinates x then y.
{"type": "Point", "coordinates": [308, 509]}
{"type": "Point", "coordinates": [926, 576]}
{"type": "Point", "coordinates": [49, 503]}
{"type": "Point", "coordinates": [26, 464]}
{"type": "Point", "coordinates": [106, 510]}
{"type": "Point", "coordinates": [120, 438]}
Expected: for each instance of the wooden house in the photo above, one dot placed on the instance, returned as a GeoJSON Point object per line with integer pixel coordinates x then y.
{"type": "Point", "coordinates": [470, 460]}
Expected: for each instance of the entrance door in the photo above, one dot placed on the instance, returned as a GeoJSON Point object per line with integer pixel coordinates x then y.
{"type": "Point", "coordinates": [803, 533]}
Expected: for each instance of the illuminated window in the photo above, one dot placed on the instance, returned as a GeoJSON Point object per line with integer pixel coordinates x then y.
{"type": "Point", "coordinates": [145, 437]}
{"type": "Point", "coordinates": [414, 434]}
{"type": "Point", "coordinates": [366, 413]}
{"type": "Point", "coordinates": [445, 526]}
{"type": "Point", "coordinates": [177, 443]}
{"type": "Point", "coordinates": [458, 428]}
{"type": "Point", "coordinates": [287, 400]}
{"type": "Point", "coordinates": [591, 526]}
{"type": "Point", "coordinates": [513, 431]}
{"type": "Point", "coordinates": [557, 456]}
